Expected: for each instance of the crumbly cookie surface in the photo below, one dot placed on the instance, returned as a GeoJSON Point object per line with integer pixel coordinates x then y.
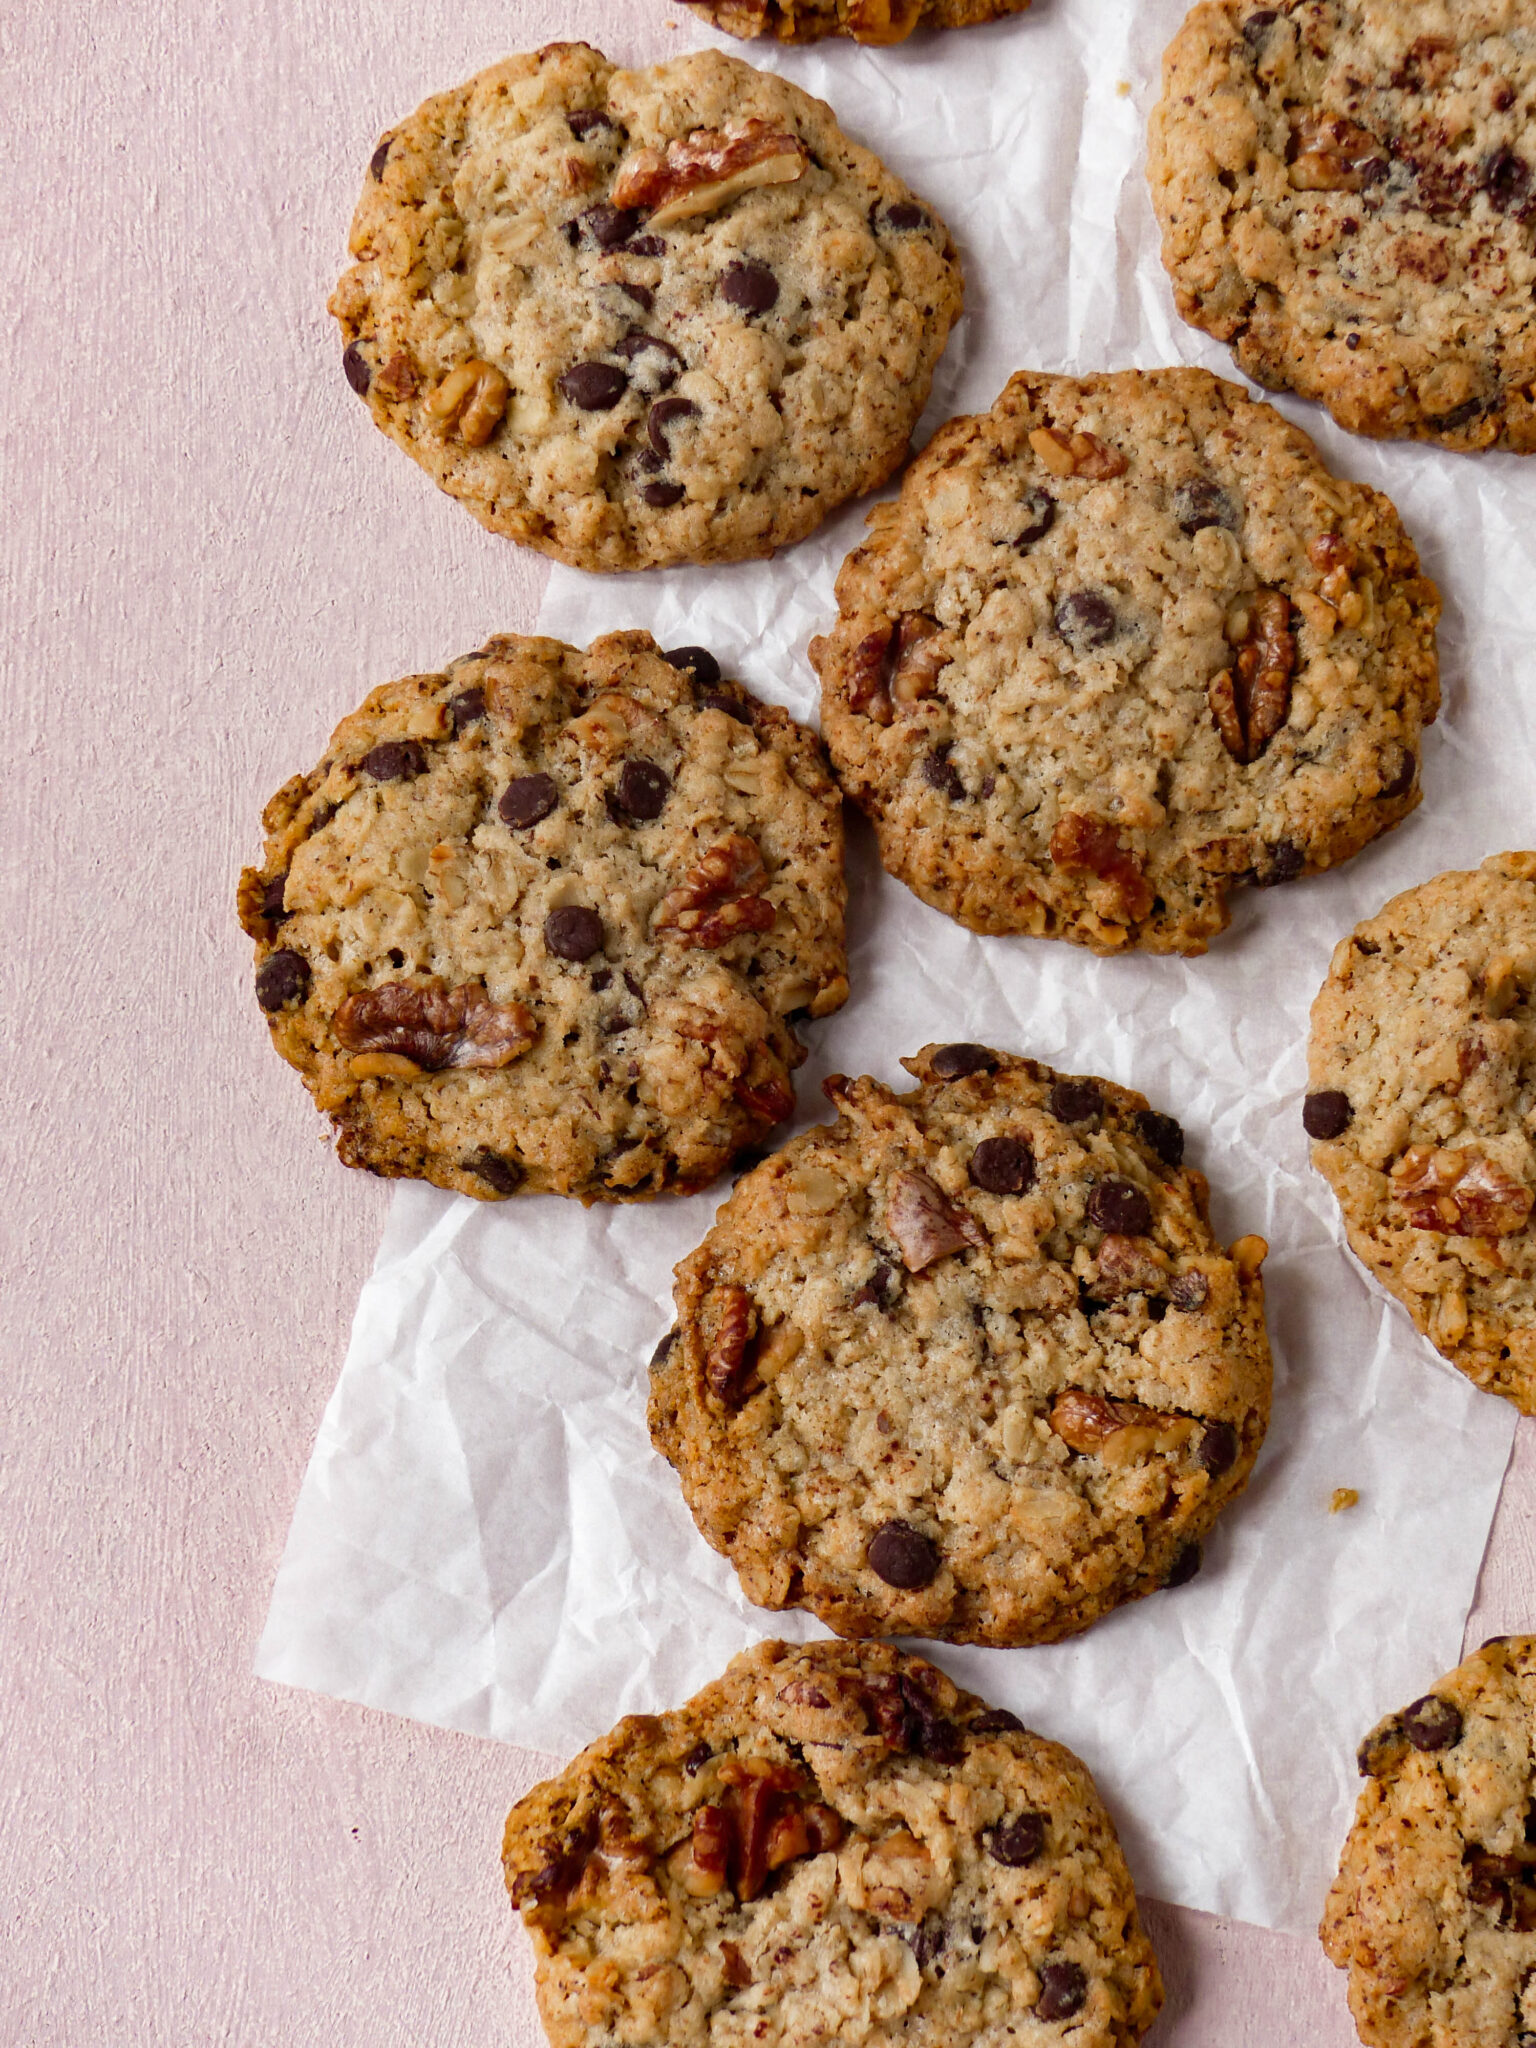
{"type": "Point", "coordinates": [1433, 1912]}
{"type": "Point", "coordinates": [642, 317]}
{"type": "Point", "coordinates": [866, 21]}
{"type": "Point", "coordinates": [1121, 643]}
{"type": "Point", "coordinates": [1422, 1111]}
{"type": "Point", "coordinates": [543, 921]}
{"type": "Point", "coordinates": [967, 1363]}
{"type": "Point", "coordinates": [830, 1843]}
{"type": "Point", "coordinates": [1346, 194]}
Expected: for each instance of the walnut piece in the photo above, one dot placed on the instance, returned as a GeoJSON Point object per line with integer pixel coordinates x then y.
{"type": "Point", "coordinates": [1252, 700]}
{"type": "Point", "coordinates": [916, 658]}
{"type": "Point", "coordinates": [398, 379]}
{"type": "Point", "coordinates": [719, 897]}
{"type": "Point", "coordinates": [1128, 1265]}
{"type": "Point", "coordinates": [1090, 846]}
{"type": "Point", "coordinates": [1115, 1432]}
{"type": "Point", "coordinates": [925, 1224]}
{"type": "Point", "coordinates": [734, 1318]}
{"type": "Point", "coordinates": [1083, 455]}
{"type": "Point", "coordinates": [1459, 1192]}
{"type": "Point", "coordinates": [882, 22]}
{"type": "Point", "coordinates": [470, 402]}
{"type": "Point", "coordinates": [431, 1026]}
{"type": "Point", "coordinates": [1334, 154]}
{"type": "Point", "coordinates": [701, 172]}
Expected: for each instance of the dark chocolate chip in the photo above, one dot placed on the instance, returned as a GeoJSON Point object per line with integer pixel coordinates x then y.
{"type": "Point", "coordinates": [1459, 415]}
{"type": "Point", "coordinates": [594, 387]}
{"type": "Point", "coordinates": [1506, 179]}
{"type": "Point", "coordinates": [1120, 1206]}
{"type": "Point", "coordinates": [697, 1758]}
{"type": "Point", "coordinates": [1326, 1114]}
{"type": "Point", "coordinates": [880, 1289]}
{"type": "Point", "coordinates": [1402, 781]}
{"type": "Point", "coordinates": [1381, 1751]}
{"type": "Point", "coordinates": [1063, 1991]}
{"type": "Point", "coordinates": [645, 245]}
{"type": "Point", "coordinates": [355, 368]}
{"type": "Point", "coordinates": [272, 899]}
{"type": "Point", "coordinates": [601, 979]}
{"type": "Point", "coordinates": [662, 497]}
{"type": "Point", "coordinates": [905, 219]}
{"type": "Point", "coordinates": [573, 933]}
{"type": "Point", "coordinates": [609, 225]}
{"type": "Point", "coordinates": [1075, 1101]}
{"type": "Point", "coordinates": [1003, 1166]}
{"type": "Point", "coordinates": [995, 1721]}
{"type": "Point", "coordinates": [1086, 620]}
{"type": "Point", "coordinates": [664, 372]}
{"type": "Point", "coordinates": [1016, 1842]}
{"type": "Point", "coordinates": [466, 709]}
{"type": "Point", "coordinates": [1039, 509]}
{"type": "Point", "coordinates": [526, 800]}
{"type": "Point", "coordinates": [1216, 1451]}
{"type": "Point", "coordinates": [1431, 1723]}
{"type": "Point", "coordinates": [1165, 1134]}
{"type": "Point", "coordinates": [940, 773]}
{"type": "Point", "coordinates": [658, 1356]}
{"type": "Point", "coordinates": [1202, 503]}
{"type": "Point", "coordinates": [927, 1945]}
{"type": "Point", "coordinates": [281, 979]}
{"type": "Point", "coordinates": [902, 1556]}
{"type": "Point", "coordinates": [586, 121]}
{"type": "Point", "coordinates": [954, 1062]}
{"type": "Point", "coordinates": [1189, 1291]}
{"type": "Point", "coordinates": [750, 285]}
{"type": "Point", "coordinates": [496, 1170]}
{"type": "Point", "coordinates": [395, 761]}
{"type": "Point", "coordinates": [643, 789]}
{"type": "Point", "coordinates": [1286, 861]}
{"type": "Point", "coordinates": [379, 158]}
{"type": "Point", "coordinates": [661, 416]}
{"type": "Point", "coordinates": [1258, 26]}
{"type": "Point", "coordinates": [698, 661]}
{"type": "Point", "coordinates": [720, 700]}
{"type": "Point", "coordinates": [642, 295]}
{"type": "Point", "coordinates": [1185, 1565]}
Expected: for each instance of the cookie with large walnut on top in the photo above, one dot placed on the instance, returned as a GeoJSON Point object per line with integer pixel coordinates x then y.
{"type": "Point", "coordinates": [545, 921]}
{"type": "Point", "coordinates": [967, 1363]}
{"type": "Point", "coordinates": [881, 22]}
{"type": "Point", "coordinates": [832, 1842]}
{"type": "Point", "coordinates": [642, 317]}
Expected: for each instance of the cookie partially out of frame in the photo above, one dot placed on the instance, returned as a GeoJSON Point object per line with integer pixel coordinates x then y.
{"type": "Point", "coordinates": [544, 921]}
{"type": "Point", "coordinates": [1422, 1111]}
{"type": "Point", "coordinates": [1347, 192]}
{"type": "Point", "coordinates": [1433, 1912]}
{"type": "Point", "coordinates": [642, 317]}
{"type": "Point", "coordinates": [830, 1843]}
{"type": "Point", "coordinates": [866, 21]}
{"type": "Point", "coordinates": [1122, 643]}
{"type": "Point", "coordinates": [967, 1363]}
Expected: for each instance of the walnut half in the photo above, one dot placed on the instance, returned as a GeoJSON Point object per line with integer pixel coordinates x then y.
{"type": "Point", "coordinates": [719, 897]}
{"type": "Point", "coordinates": [423, 1027]}
{"type": "Point", "coordinates": [701, 172]}
{"type": "Point", "coordinates": [1459, 1192]}
{"type": "Point", "coordinates": [1252, 700]}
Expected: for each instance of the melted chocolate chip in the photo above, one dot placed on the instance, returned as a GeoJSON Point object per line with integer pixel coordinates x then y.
{"type": "Point", "coordinates": [586, 121]}
{"type": "Point", "coordinates": [1402, 781]}
{"type": "Point", "coordinates": [995, 1721]}
{"type": "Point", "coordinates": [282, 978]}
{"type": "Point", "coordinates": [466, 709]}
{"type": "Point", "coordinates": [1063, 1991]}
{"type": "Point", "coordinates": [573, 933]}
{"type": "Point", "coordinates": [1431, 1723]}
{"type": "Point", "coordinates": [927, 1945]}
{"type": "Point", "coordinates": [593, 387]}
{"type": "Point", "coordinates": [750, 285]}
{"type": "Point", "coordinates": [496, 1170]}
{"type": "Point", "coordinates": [1074, 1102]}
{"type": "Point", "coordinates": [609, 225]}
{"type": "Point", "coordinates": [354, 367]}
{"type": "Point", "coordinates": [1506, 179]}
{"type": "Point", "coordinates": [661, 497]}
{"type": "Point", "coordinates": [642, 295]}
{"type": "Point", "coordinates": [395, 761]}
{"type": "Point", "coordinates": [1286, 861]}
{"type": "Point", "coordinates": [733, 707]}
{"type": "Point", "coordinates": [645, 245]}
{"type": "Point", "coordinates": [661, 416]}
{"type": "Point", "coordinates": [698, 1756]}
{"type": "Point", "coordinates": [1003, 1166]}
{"type": "Point", "coordinates": [954, 1062]}
{"type": "Point", "coordinates": [1039, 509]}
{"type": "Point", "coordinates": [1216, 1452]}
{"type": "Point", "coordinates": [1185, 1565]}
{"type": "Point", "coordinates": [1459, 415]}
{"type": "Point", "coordinates": [1016, 1842]}
{"type": "Point", "coordinates": [527, 799]}
{"type": "Point", "coordinates": [1326, 1114]}
{"type": "Point", "coordinates": [902, 1556]}
{"type": "Point", "coordinates": [272, 898]}
{"type": "Point", "coordinates": [699, 663]}
{"type": "Point", "coordinates": [1202, 503]}
{"type": "Point", "coordinates": [1086, 620]}
{"type": "Point", "coordinates": [642, 790]}
{"type": "Point", "coordinates": [1165, 1135]}
{"type": "Point", "coordinates": [664, 371]}
{"type": "Point", "coordinates": [940, 773]}
{"type": "Point", "coordinates": [658, 1356]}
{"type": "Point", "coordinates": [1120, 1206]}
{"type": "Point", "coordinates": [905, 219]}
{"type": "Point", "coordinates": [379, 158]}
{"type": "Point", "coordinates": [1189, 1291]}
{"type": "Point", "coordinates": [880, 1289]}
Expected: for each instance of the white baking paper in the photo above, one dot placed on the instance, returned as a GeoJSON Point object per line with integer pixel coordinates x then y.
{"type": "Point", "coordinates": [485, 1538]}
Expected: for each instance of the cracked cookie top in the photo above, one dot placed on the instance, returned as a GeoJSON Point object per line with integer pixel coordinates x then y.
{"type": "Point", "coordinates": [642, 317]}
{"type": "Point", "coordinates": [1121, 643]}
{"type": "Point", "coordinates": [967, 1363]}
{"type": "Point", "coordinates": [1347, 193]}
{"type": "Point", "coordinates": [830, 1843]}
{"type": "Point", "coordinates": [879, 22]}
{"type": "Point", "coordinates": [544, 921]}
{"type": "Point", "coordinates": [1422, 1111]}
{"type": "Point", "coordinates": [1433, 1912]}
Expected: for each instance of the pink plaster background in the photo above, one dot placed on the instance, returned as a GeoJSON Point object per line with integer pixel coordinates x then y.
{"type": "Point", "coordinates": [207, 556]}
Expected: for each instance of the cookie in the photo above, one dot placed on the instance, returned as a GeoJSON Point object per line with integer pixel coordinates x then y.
{"type": "Point", "coordinates": [1121, 643]}
{"type": "Point", "coordinates": [1422, 1111]}
{"type": "Point", "coordinates": [634, 318]}
{"type": "Point", "coordinates": [545, 921]}
{"type": "Point", "coordinates": [830, 1843]}
{"type": "Point", "coordinates": [1433, 1912]}
{"type": "Point", "coordinates": [1346, 194]}
{"type": "Point", "coordinates": [967, 1363]}
{"type": "Point", "coordinates": [867, 21]}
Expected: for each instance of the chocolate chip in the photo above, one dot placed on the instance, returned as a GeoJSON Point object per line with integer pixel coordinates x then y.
{"type": "Point", "coordinates": [1189, 1291]}
{"type": "Point", "coordinates": [1258, 26]}
{"type": "Point", "coordinates": [1185, 1565]}
{"type": "Point", "coordinates": [609, 225]}
{"type": "Point", "coordinates": [281, 979]}
{"type": "Point", "coordinates": [733, 707]}
{"type": "Point", "coordinates": [699, 663]}
{"type": "Point", "coordinates": [527, 799]}
{"type": "Point", "coordinates": [1431, 1723]}
{"type": "Point", "coordinates": [1063, 1991]}
{"type": "Point", "coordinates": [940, 773]}
{"type": "Point", "coordinates": [879, 1289]}
{"type": "Point", "coordinates": [750, 285]}
{"type": "Point", "coordinates": [1506, 178]}
{"type": "Point", "coordinates": [1165, 1134]}
{"type": "Point", "coordinates": [1086, 620]}
{"type": "Point", "coordinates": [1381, 1752]}
{"type": "Point", "coordinates": [905, 219]}
{"type": "Point", "coordinates": [355, 369]}
{"type": "Point", "coordinates": [658, 1356]}
{"type": "Point", "coordinates": [1459, 416]}
{"type": "Point", "coordinates": [586, 121]}
{"type": "Point", "coordinates": [496, 1170]}
{"type": "Point", "coordinates": [1216, 1451]}
{"type": "Point", "coordinates": [643, 790]}
{"type": "Point", "coordinates": [902, 1556]}
{"type": "Point", "coordinates": [594, 387]}
{"type": "Point", "coordinates": [1003, 1166]}
{"type": "Point", "coordinates": [1326, 1114]}
{"type": "Point", "coordinates": [1016, 1842]}
{"type": "Point", "coordinates": [395, 761]}
{"type": "Point", "coordinates": [466, 709]}
{"type": "Point", "coordinates": [1286, 861]}
{"type": "Point", "coordinates": [995, 1721]}
{"type": "Point", "coordinates": [642, 295]}
{"type": "Point", "coordinates": [1351, 342]}
{"type": "Point", "coordinates": [645, 245]}
{"type": "Point", "coordinates": [379, 158]}
{"type": "Point", "coordinates": [954, 1062]}
{"type": "Point", "coordinates": [272, 898]}
{"type": "Point", "coordinates": [662, 373]}
{"type": "Point", "coordinates": [928, 1732]}
{"type": "Point", "coordinates": [661, 416]}
{"type": "Point", "coordinates": [1074, 1102]}
{"type": "Point", "coordinates": [573, 933]}
{"type": "Point", "coordinates": [663, 496]}
{"type": "Point", "coordinates": [1121, 1207]}
{"type": "Point", "coordinates": [1202, 503]}
{"type": "Point", "coordinates": [1039, 510]}
{"type": "Point", "coordinates": [1402, 781]}
{"type": "Point", "coordinates": [927, 1945]}
{"type": "Point", "coordinates": [601, 980]}
{"type": "Point", "coordinates": [697, 1758]}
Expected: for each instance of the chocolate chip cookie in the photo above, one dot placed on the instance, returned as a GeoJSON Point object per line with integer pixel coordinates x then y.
{"type": "Point", "coordinates": [1347, 198]}
{"type": "Point", "coordinates": [830, 1843]}
{"type": "Point", "coordinates": [1433, 1912]}
{"type": "Point", "coordinates": [545, 921]}
{"type": "Point", "coordinates": [642, 317]}
{"type": "Point", "coordinates": [1121, 643]}
{"type": "Point", "coordinates": [1422, 1106]}
{"type": "Point", "coordinates": [967, 1363]}
{"type": "Point", "coordinates": [867, 21]}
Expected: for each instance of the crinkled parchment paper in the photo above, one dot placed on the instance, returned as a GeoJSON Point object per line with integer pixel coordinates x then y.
{"type": "Point", "coordinates": [485, 1538]}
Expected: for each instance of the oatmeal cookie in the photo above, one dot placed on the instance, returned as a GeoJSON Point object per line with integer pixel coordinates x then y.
{"type": "Point", "coordinates": [1121, 643]}
{"type": "Point", "coordinates": [1422, 1111]}
{"type": "Point", "coordinates": [1433, 1912]}
{"type": "Point", "coordinates": [867, 21]}
{"type": "Point", "coordinates": [634, 318]}
{"type": "Point", "coordinates": [967, 1363]}
{"type": "Point", "coordinates": [1346, 194]}
{"type": "Point", "coordinates": [830, 1843]}
{"type": "Point", "coordinates": [545, 921]}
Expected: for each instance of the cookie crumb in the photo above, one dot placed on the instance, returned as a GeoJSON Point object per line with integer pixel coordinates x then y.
{"type": "Point", "coordinates": [1122, 88]}
{"type": "Point", "coordinates": [1343, 1497]}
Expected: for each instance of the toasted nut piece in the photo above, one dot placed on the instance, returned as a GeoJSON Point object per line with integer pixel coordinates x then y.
{"type": "Point", "coordinates": [779, 1347]}
{"type": "Point", "coordinates": [433, 1026]}
{"type": "Point", "coordinates": [383, 1066]}
{"type": "Point", "coordinates": [1090, 846]}
{"type": "Point", "coordinates": [882, 22]}
{"type": "Point", "coordinates": [720, 896]}
{"type": "Point", "coordinates": [899, 1878]}
{"type": "Point", "coordinates": [1334, 154]}
{"type": "Point", "coordinates": [1115, 1432]}
{"type": "Point", "coordinates": [398, 379]}
{"type": "Point", "coordinates": [471, 400]}
{"type": "Point", "coordinates": [918, 658]}
{"type": "Point", "coordinates": [709, 1853]}
{"type": "Point", "coordinates": [1080, 454]}
{"type": "Point", "coordinates": [1343, 1497]}
{"type": "Point", "coordinates": [1248, 1254]}
{"type": "Point", "coordinates": [1251, 701]}
{"type": "Point", "coordinates": [1459, 1192]}
{"type": "Point", "coordinates": [701, 172]}
{"type": "Point", "coordinates": [734, 1317]}
{"type": "Point", "coordinates": [924, 1224]}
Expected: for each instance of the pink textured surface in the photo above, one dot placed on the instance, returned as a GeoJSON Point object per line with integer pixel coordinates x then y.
{"type": "Point", "coordinates": [208, 556]}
